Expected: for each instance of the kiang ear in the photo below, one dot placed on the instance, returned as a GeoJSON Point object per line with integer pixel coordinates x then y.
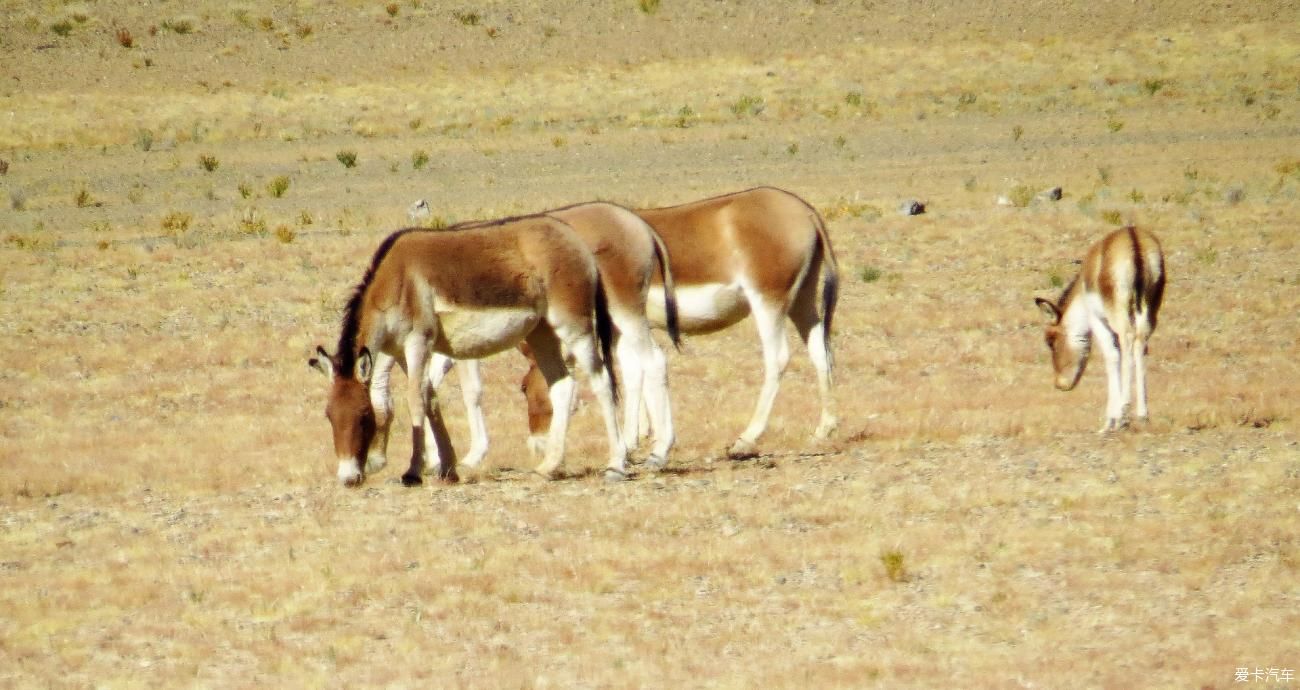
{"type": "Point", "coordinates": [322, 362]}
{"type": "Point", "coordinates": [1048, 308]}
{"type": "Point", "coordinates": [365, 366]}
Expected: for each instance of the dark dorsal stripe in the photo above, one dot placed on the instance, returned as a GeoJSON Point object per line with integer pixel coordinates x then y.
{"type": "Point", "coordinates": [1139, 271]}
{"type": "Point", "coordinates": [345, 358]}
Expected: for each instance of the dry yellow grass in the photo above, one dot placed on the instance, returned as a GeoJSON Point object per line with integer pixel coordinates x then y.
{"type": "Point", "coordinates": [168, 512]}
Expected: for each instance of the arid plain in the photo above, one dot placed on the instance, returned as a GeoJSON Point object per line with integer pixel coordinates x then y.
{"type": "Point", "coordinates": [191, 190]}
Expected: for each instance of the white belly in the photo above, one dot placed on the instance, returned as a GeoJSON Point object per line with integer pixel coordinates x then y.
{"type": "Point", "coordinates": [477, 334]}
{"type": "Point", "coordinates": [701, 308]}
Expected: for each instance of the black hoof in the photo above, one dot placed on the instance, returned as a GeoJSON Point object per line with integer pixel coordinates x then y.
{"type": "Point", "coordinates": [410, 479]}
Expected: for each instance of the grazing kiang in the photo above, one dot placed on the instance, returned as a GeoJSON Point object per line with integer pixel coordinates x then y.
{"type": "Point", "coordinates": [466, 293]}
{"type": "Point", "coordinates": [628, 255]}
{"type": "Point", "coordinates": [1113, 302]}
{"type": "Point", "coordinates": [758, 252]}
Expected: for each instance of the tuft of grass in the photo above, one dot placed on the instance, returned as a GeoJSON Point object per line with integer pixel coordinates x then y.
{"type": "Point", "coordinates": [559, 142]}
{"type": "Point", "coordinates": [144, 139]}
{"type": "Point", "coordinates": [1103, 174]}
{"type": "Point", "coordinates": [870, 274]}
{"type": "Point", "coordinates": [175, 224]}
{"type": "Point", "coordinates": [685, 115]}
{"type": "Point", "coordinates": [1017, 132]}
{"type": "Point", "coordinates": [63, 27]}
{"type": "Point", "coordinates": [854, 98]}
{"type": "Point", "coordinates": [17, 199]}
{"type": "Point", "coordinates": [747, 105]}
{"type": "Point", "coordinates": [1136, 196]}
{"type": "Point", "coordinates": [1021, 195]}
{"type": "Point", "coordinates": [843, 208]}
{"type": "Point", "coordinates": [1114, 125]}
{"type": "Point", "coordinates": [648, 6]}
{"type": "Point", "coordinates": [124, 38]}
{"type": "Point", "coordinates": [1112, 216]}
{"type": "Point", "coordinates": [392, 8]}
{"type": "Point", "coordinates": [284, 233]}
{"type": "Point", "coordinates": [841, 142]}
{"type": "Point", "coordinates": [467, 18]}
{"type": "Point", "coordinates": [4, 167]}
{"type": "Point", "coordinates": [1153, 86]}
{"type": "Point", "coordinates": [303, 31]}
{"type": "Point", "coordinates": [895, 565]}
{"type": "Point", "coordinates": [245, 190]}
{"type": "Point", "coordinates": [305, 218]}
{"type": "Point", "coordinates": [419, 159]}
{"type": "Point", "coordinates": [209, 162]}
{"type": "Point", "coordinates": [252, 224]}
{"type": "Point", "coordinates": [793, 148]}
{"type": "Point", "coordinates": [1207, 256]}
{"type": "Point", "coordinates": [347, 157]}
{"type": "Point", "coordinates": [82, 198]}
{"type": "Point", "coordinates": [178, 26]}
{"type": "Point", "coordinates": [278, 186]}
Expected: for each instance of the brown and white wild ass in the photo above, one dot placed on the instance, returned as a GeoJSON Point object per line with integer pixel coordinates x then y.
{"type": "Point", "coordinates": [758, 252]}
{"type": "Point", "coordinates": [629, 254]}
{"type": "Point", "coordinates": [466, 293]}
{"type": "Point", "coordinates": [1114, 302]}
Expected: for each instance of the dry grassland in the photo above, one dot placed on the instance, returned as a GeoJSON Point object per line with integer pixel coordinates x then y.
{"type": "Point", "coordinates": [168, 510]}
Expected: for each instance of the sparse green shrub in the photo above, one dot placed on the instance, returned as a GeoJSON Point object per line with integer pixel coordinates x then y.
{"type": "Point", "coordinates": [302, 30]}
{"type": "Point", "coordinates": [209, 162]}
{"type": "Point", "coordinates": [1055, 280]}
{"type": "Point", "coordinates": [853, 98]}
{"type": "Point", "coordinates": [347, 157]}
{"type": "Point", "coordinates": [841, 142]}
{"type": "Point", "coordinates": [144, 139]}
{"type": "Point", "coordinates": [419, 159]}
{"type": "Point", "coordinates": [966, 99]}
{"type": "Point", "coordinates": [267, 23]}
{"type": "Point", "coordinates": [648, 6]}
{"type": "Point", "coordinates": [278, 186]}
{"type": "Point", "coordinates": [1017, 132]}
{"type": "Point", "coordinates": [684, 117]}
{"type": "Point", "coordinates": [747, 105]}
{"type": "Point", "coordinates": [1153, 86]}
{"type": "Point", "coordinates": [415, 124]}
{"type": "Point", "coordinates": [62, 27]}
{"type": "Point", "coordinates": [559, 142]}
{"type": "Point", "coordinates": [870, 274]}
{"type": "Point", "coordinates": [1112, 216]}
{"type": "Point", "coordinates": [895, 566]}
{"type": "Point", "coordinates": [1207, 256]}
{"type": "Point", "coordinates": [304, 218]}
{"type": "Point", "coordinates": [1136, 196]}
{"type": "Point", "coordinates": [82, 198]}
{"type": "Point", "coordinates": [1114, 125]}
{"type": "Point", "coordinates": [245, 190]}
{"type": "Point", "coordinates": [1191, 174]}
{"type": "Point", "coordinates": [793, 148]}
{"type": "Point", "coordinates": [284, 233]}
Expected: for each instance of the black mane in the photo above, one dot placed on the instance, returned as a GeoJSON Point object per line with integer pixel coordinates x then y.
{"type": "Point", "coordinates": [345, 359]}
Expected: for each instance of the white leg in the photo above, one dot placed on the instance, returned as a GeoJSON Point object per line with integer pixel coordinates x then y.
{"type": "Point", "coordinates": [439, 365]}
{"type": "Point", "coordinates": [560, 389]}
{"type": "Point", "coordinates": [381, 399]}
{"type": "Point", "coordinates": [1110, 354]}
{"type": "Point", "coordinates": [658, 406]}
{"type": "Point", "coordinates": [812, 330]}
{"type": "Point", "coordinates": [1140, 379]}
{"type": "Point", "coordinates": [630, 367]}
{"type": "Point", "coordinates": [584, 350]}
{"type": "Point", "coordinates": [770, 320]}
{"type": "Point", "coordinates": [420, 398]}
{"type": "Point", "coordinates": [471, 390]}
{"type": "Point", "coordinates": [1126, 364]}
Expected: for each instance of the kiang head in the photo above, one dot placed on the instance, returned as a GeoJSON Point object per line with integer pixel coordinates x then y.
{"type": "Point", "coordinates": [1069, 354]}
{"type": "Point", "coordinates": [349, 410]}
